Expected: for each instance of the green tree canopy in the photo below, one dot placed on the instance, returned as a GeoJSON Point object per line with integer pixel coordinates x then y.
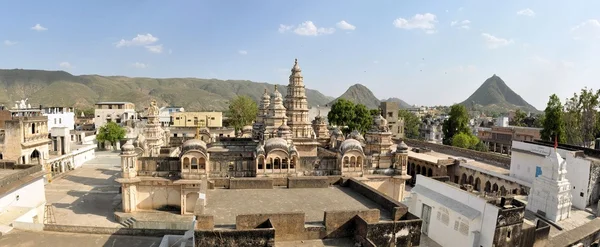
{"type": "Point", "coordinates": [519, 118]}
{"type": "Point", "coordinates": [110, 132]}
{"type": "Point", "coordinates": [411, 124]}
{"type": "Point", "coordinates": [345, 113]}
{"type": "Point", "coordinates": [242, 112]}
{"type": "Point", "coordinates": [464, 140]}
{"type": "Point", "coordinates": [458, 122]}
{"type": "Point", "coordinates": [553, 124]}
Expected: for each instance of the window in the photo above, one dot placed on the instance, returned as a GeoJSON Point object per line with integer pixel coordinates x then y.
{"type": "Point", "coordinates": [581, 194]}
{"type": "Point", "coordinates": [176, 118]}
{"type": "Point", "coordinates": [55, 121]}
{"type": "Point", "coordinates": [60, 120]}
{"type": "Point", "coordinates": [508, 234]}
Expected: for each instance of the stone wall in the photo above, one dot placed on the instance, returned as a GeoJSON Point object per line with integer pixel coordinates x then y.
{"type": "Point", "coordinates": [250, 183]}
{"type": "Point", "coordinates": [339, 224]}
{"type": "Point", "coordinates": [288, 226]}
{"type": "Point", "coordinates": [307, 182]}
{"type": "Point", "coordinates": [112, 230]}
{"type": "Point", "coordinates": [238, 238]}
{"type": "Point", "coordinates": [488, 157]}
{"type": "Point", "coordinates": [204, 222]}
{"type": "Point", "coordinates": [535, 236]}
{"type": "Point", "coordinates": [397, 209]}
{"type": "Point", "coordinates": [389, 233]}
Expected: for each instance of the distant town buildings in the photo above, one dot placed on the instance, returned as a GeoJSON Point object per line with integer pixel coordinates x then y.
{"type": "Point", "coordinates": [60, 117]}
{"type": "Point", "coordinates": [165, 113]}
{"type": "Point", "coordinates": [395, 123]}
{"type": "Point", "coordinates": [499, 138]}
{"type": "Point", "coordinates": [118, 112]}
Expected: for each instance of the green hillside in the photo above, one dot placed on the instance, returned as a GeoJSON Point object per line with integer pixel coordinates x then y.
{"type": "Point", "coordinates": [59, 88]}
{"type": "Point", "coordinates": [495, 96]}
{"type": "Point", "coordinates": [359, 94]}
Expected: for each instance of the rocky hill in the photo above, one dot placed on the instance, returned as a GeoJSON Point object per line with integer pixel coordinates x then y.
{"type": "Point", "coordinates": [401, 103]}
{"type": "Point", "coordinates": [360, 94]}
{"type": "Point", "coordinates": [495, 96]}
{"type": "Point", "coordinates": [59, 88]}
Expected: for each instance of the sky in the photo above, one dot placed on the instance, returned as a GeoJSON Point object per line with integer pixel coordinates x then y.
{"type": "Point", "coordinates": [424, 52]}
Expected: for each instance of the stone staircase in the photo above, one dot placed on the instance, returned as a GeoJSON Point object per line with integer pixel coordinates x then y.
{"type": "Point", "coordinates": [128, 223]}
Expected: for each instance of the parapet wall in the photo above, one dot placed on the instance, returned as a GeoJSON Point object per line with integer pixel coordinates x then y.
{"type": "Point", "coordinates": [269, 183]}
{"type": "Point", "coordinates": [250, 183]}
{"type": "Point", "coordinates": [490, 158]}
{"type": "Point", "coordinates": [252, 237]}
{"type": "Point", "coordinates": [397, 209]}
{"type": "Point", "coordinates": [389, 233]}
{"type": "Point", "coordinates": [288, 226]}
{"type": "Point", "coordinates": [307, 182]}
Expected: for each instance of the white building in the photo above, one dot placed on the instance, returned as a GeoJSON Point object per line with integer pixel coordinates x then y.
{"type": "Point", "coordinates": [502, 121]}
{"type": "Point", "coordinates": [22, 196]}
{"type": "Point", "coordinates": [165, 114]}
{"type": "Point", "coordinates": [455, 217]}
{"type": "Point", "coordinates": [117, 112]}
{"type": "Point", "coordinates": [550, 194]}
{"type": "Point", "coordinates": [582, 170]}
{"type": "Point", "coordinates": [60, 117]}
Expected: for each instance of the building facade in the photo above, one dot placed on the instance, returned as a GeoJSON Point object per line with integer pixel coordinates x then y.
{"type": "Point", "coordinates": [194, 119]}
{"type": "Point", "coordinates": [390, 112]}
{"type": "Point", "coordinates": [60, 117]}
{"type": "Point", "coordinates": [118, 112]}
{"type": "Point", "coordinates": [165, 113]}
{"type": "Point", "coordinates": [24, 136]}
{"type": "Point", "coordinates": [499, 138]}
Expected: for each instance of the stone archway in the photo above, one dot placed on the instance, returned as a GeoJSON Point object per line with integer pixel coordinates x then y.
{"type": "Point", "coordinates": [477, 185]}
{"type": "Point", "coordinates": [463, 179]}
{"type": "Point", "coordinates": [502, 190]}
{"type": "Point", "coordinates": [495, 188]}
{"type": "Point", "coordinates": [429, 172]}
{"type": "Point", "coordinates": [35, 156]}
{"type": "Point", "coordinates": [488, 187]}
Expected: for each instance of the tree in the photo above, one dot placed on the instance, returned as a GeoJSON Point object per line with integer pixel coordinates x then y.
{"type": "Point", "coordinates": [242, 111]}
{"type": "Point", "coordinates": [458, 122]}
{"type": "Point", "coordinates": [464, 140]}
{"type": "Point", "coordinates": [519, 118]}
{"type": "Point", "coordinates": [588, 103]}
{"type": "Point", "coordinates": [539, 120]}
{"type": "Point", "coordinates": [110, 132]}
{"type": "Point", "coordinates": [553, 125]}
{"type": "Point", "coordinates": [362, 119]}
{"type": "Point", "coordinates": [345, 113]}
{"type": "Point", "coordinates": [572, 118]}
{"type": "Point", "coordinates": [411, 124]}
{"type": "Point", "coordinates": [375, 112]}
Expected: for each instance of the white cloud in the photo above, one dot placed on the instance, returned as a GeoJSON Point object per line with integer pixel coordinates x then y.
{"type": "Point", "coordinates": [526, 12]}
{"type": "Point", "coordinates": [66, 65]}
{"type": "Point", "coordinates": [283, 28]}
{"type": "Point", "coordinates": [494, 42]}
{"type": "Point", "coordinates": [425, 22]}
{"type": "Point", "coordinates": [464, 24]}
{"type": "Point", "coordinates": [139, 65]}
{"type": "Point", "coordinates": [308, 28]}
{"type": "Point", "coordinates": [140, 39]}
{"type": "Point", "coordinates": [242, 52]}
{"type": "Point", "coordinates": [38, 28]}
{"type": "Point", "coordinates": [154, 48]}
{"type": "Point", "coordinates": [585, 29]}
{"type": "Point", "coordinates": [345, 25]}
{"type": "Point", "coordinates": [9, 43]}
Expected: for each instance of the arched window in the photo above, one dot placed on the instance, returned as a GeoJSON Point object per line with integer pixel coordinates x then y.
{"type": "Point", "coordinates": [346, 161]}
{"type": "Point", "coordinates": [495, 188]}
{"type": "Point", "coordinates": [463, 179]}
{"type": "Point", "coordinates": [488, 187]}
{"type": "Point", "coordinates": [194, 164]}
{"type": "Point", "coordinates": [277, 163]}
{"type": "Point", "coordinates": [32, 128]}
{"type": "Point", "coordinates": [502, 191]}
{"type": "Point", "coordinates": [186, 163]}
{"type": "Point", "coordinates": [471, 179]}
{"type": "Point", "coordinates": [429, 172]}
{"type": "Point", "coordinates": [261, 162]}
{"type": "Point", "coordinates": [202, 163]}
{"type": "Point", "coordinates": [353, 161]}
{"type": "Point", "coordinates": [478, 184]}
{"type": "Point", "coordinates": [359, 161]}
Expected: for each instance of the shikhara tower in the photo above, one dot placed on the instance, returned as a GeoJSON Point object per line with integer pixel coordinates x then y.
{"type": "Point", "coordinates": [296, 105]}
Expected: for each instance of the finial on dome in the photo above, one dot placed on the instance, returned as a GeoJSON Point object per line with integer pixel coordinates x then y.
{"type": "Point", "coordinates": [265, 90]}
{"type": "Point", "coordinates": [295, 61]}
{"type": "Point", "coordinates": [275, 87]}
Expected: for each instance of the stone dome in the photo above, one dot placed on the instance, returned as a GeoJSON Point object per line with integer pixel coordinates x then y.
{"type": "Point", "coordinates": [337, 132]}
{"type": "Point", "coordinates": [350, 144]}
{"type": "Point", "coordinates": [402, 147]}
{"type": "Point", "coordinates": [128, 147]}
{"type": "Point", "coordinates": [193, 144]}
{"type": "Point", "coordinates": [265, 96]}
{"type": "Point", "coordinates": [284, 127]}
{"type": "Point", "coordinates": [276, 94]}
{"type": "Point", "coordinates": [276, 143]}
{"type": "Point", "coordinates": [356, 136]}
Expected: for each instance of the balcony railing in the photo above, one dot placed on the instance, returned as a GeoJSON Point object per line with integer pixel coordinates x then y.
{"type": "Point", "coordinates": [37, 137]}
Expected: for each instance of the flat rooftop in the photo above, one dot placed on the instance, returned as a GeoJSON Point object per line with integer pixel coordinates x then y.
{"type": "Point", "coordinates": [479, 164]}
{"type": "Point", "coordinates": [226, 204]}
{"type": "Point", "coordinates": [427, 156]}
{"type": "Point", "coordinates": [6, 172]}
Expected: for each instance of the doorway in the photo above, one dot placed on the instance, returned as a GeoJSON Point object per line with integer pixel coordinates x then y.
{"type": "Point", "coordinates": [425, 216]}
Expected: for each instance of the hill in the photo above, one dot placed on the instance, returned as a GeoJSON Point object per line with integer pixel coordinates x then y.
{"type": "Point", "coordinates": [360, 94]}
{"type": "Point", "coordinates": [59, 88]}
{"type": "Point", "coordinates": [495, 96]}
{"type": "Point", "coordinates": [401, 103]}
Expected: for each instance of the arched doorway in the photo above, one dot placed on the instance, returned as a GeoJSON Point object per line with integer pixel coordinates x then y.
{"type": "Point", "coordinates": [34, 158]}
{"type": "Point", "coordinates": [488, 187]}
{"type": "Point", "coordinates": [190, 202]}
{"type": "Point", "coordinates": [502, 191]}
{"type": "Point", "coordinates": [478, 184]}
{"type": "Point", "coordinates": [463, 179]}
{"type": "Point", "coordinates": [495, 188]}
{"type": "Point", "coordinates": [429, 172]}
{"type": "Point", "coordinates": [424, 171]}
{"type": "Point", "coordinates": [470, 181]}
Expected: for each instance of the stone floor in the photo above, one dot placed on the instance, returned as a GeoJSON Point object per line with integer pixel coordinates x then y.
{"type": "Point", "coordinates": [85, 195]}
{"type": "Point", "coordinates": [576, 219]}
{"type": "Point", "coordinates": [226, 204]}
{"type": "Point", "coordinates": [33, 239]}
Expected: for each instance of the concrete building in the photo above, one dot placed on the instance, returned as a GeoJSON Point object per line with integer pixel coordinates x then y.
{"type": "Point", "coordinates": [390, 111]}
{"type": "Point", "coordinates": [194, 119]}
{"type": "Point", "coordinates": [431, 130]}
{"type": "Point", "coordinates": [24, 135]}
{"type": "Point", "coordinates": [583, 168]}
{"type": "Point", "coordinates": [118, 112]}
{"type": "Point", "coordinates": [22, 197]}
{"type": "Point", "coordinates": [458, 217]}
{"type": "Point", "coordinates": [60, 117]}
{"type": "Point", "coordinates": [499, 139]}
{"type": "Point", "coordinates": [165, 113]}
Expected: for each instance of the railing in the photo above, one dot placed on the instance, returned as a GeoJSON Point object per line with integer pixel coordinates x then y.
{"type": "Point", "coordinates": [36, 137]}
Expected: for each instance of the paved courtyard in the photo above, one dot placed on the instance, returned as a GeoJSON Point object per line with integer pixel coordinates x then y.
{"type": "Point", "coordinates": [85, 195]}
{"type": "Point", "coordinates": [34, 239]}
{"type": "Point", "coordinates": [226, 204]}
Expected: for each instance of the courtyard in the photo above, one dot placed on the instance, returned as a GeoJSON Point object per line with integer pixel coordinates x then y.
{"type": "Point", "coordinates": [225, 204]}
{"type": "Point", "coordinates": [85, 195]}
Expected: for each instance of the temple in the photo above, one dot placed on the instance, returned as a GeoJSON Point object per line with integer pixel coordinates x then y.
{"type": "Point", "coordinates": [164, 174]}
